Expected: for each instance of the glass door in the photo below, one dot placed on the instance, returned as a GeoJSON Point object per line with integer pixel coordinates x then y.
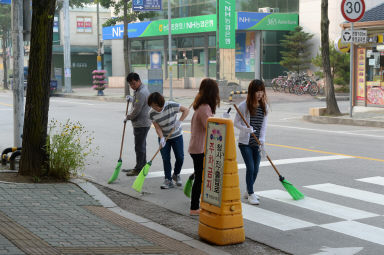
{"type": "Point", "coordinates": [185, 63]}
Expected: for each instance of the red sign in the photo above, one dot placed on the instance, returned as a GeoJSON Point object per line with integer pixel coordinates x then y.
{"type": "Point", "coordinates": [353, 10]}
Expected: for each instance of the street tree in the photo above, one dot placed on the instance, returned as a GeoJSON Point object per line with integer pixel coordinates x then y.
{"type": "Point", "coordinates": [331, 104]}
{"type": "Point", "coordinates": [5, 25]}
{"type": "Point", "coordinates": [124, 6]}
{"type": "Point", "coordinates": [295, 53]}
{"type": "Point", "coordinates": [34, 156]}
{"type": "Point", "coordinates": [339, 65]}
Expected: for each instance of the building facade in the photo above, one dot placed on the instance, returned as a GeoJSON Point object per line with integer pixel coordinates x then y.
{"type": "Point", "coordinates": [258, 28]}
{"type": "Point", "coordinates": [83, 41]}
{"type": "Point", "coordinates": [368, 61]}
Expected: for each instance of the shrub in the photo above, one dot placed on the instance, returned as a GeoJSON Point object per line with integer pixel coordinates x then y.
{"type": "Point", "coordinates": [68, 146]}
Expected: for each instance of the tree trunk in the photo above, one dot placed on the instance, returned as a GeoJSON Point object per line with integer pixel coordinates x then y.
{"type": "Point", "coordinates": [331, 103]}
{"type": "Point", "coordinates": [34, 157]}
{"type": "Point", "coordinates": [126, 49]}
{"type": "Point", "coordinates": [5, 67]}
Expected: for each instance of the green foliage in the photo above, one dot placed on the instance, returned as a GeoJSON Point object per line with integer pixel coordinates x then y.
{"type": "Point", "coordinates": [339, 65]}
{"type": "Point", "coordinates": [295, 56]}
{"type": "Point", "coordinates": [74, 3]}
{"type": "Point", "coordinates": [119, 7]}
{"type": "Point", "coordinates": [68, 146]}
{"type": "Point", "coordinates": [5, 20]}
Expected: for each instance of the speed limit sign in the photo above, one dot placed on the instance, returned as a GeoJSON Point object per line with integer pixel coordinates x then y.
{"type": "Point", "coordinates": [353, 10]}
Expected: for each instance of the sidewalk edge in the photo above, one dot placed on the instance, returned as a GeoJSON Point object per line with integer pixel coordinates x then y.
{"type": "Point", "coordinates": [343, 121]}
{"type": "Point", "coordinates": [105, 201]}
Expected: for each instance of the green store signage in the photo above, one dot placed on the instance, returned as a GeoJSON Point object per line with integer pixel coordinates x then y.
{"type": "Point", "coordinates": [227, 24]}
{"type": "Point", "coordinates": [267, 21]}
{"type": "Point", "coordinates": [208, 23]}
{"type": "Point", "coordinates": [197, 24]}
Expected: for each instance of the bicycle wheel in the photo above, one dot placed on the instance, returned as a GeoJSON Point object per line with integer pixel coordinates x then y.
{"type": "Point", "coordinates": [274, 85]}
{"type": "Point", "coordinates": [313, 89]}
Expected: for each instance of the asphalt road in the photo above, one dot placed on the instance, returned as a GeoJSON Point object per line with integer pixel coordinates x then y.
{"type": "Point", "coordinates": [338, 168]}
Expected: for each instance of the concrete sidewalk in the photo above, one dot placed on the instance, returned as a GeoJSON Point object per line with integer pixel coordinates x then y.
{"type": "Point", "coordinates": [60, 218]}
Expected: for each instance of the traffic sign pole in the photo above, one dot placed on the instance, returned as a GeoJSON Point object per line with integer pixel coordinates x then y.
{"type": "Point", "coordinates": [352, 11]}
{"type": "Point", "coordinates": [351, 74]}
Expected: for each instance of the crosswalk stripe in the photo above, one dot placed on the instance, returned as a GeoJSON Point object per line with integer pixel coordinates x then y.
{"type": "Point", "coordinates": [272, 219]}
{"type": "Point", "coordinates": [156, 174]}
{"type": "Point", "coordinates": [317, 205]}
{"type": "Point", "coordinates": [366, 196]}
{"type": "Point", "coordinates": [379, 180]}
{"type": "Point", "coordinates": [358, 230]}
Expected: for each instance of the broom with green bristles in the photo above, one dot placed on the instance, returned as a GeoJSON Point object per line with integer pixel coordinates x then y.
{"type": "Point", "coordinates": [295, 193]}
{"type": "Point", "coordinates": [138, 184]}
{"type": "Point", "coordinates": [119, 162]}
{"type": "Point", "coordinates": [188, 185]}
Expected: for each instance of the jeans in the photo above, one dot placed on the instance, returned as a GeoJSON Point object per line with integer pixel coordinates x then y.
{"type": "Point", "coordinates": [198, 160]}
{"type": "Point", "coordinates": [251, 156]}
{"type": "Point", "coordinates": [178, 149]}
{"type": "Point", "coordinates": [140, 135]}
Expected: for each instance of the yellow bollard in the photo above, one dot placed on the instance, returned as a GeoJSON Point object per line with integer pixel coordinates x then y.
{"type": "Point", "coordinates": [221, 220]}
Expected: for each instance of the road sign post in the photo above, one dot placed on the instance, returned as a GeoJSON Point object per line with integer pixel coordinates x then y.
{"type": "Point", "coordinates": [352, 11]}
{"type": "Point", "coordinates": [147, 5]}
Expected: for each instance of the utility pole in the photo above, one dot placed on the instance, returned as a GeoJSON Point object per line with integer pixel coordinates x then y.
{"type": "Point", "coordinates": [99, 66]}
{"type": "Point", "coordinates": [67, 49]}
{"type": "Point", "coordinates": [170, 49]}
{"type": "Point", "coordinates": [18, 71]}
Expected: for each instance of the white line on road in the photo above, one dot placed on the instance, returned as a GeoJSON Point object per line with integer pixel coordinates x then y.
{"type": "Point", "coordinates": [379, 180]}
{"type": "Point", "coordinates": [358, 230]}
{"type": "Point", "coordinates": [69, 102]}
{"type": "Point", "coordinates": [262, 164]}
{"type": "Point", "coordinates": [326, 131]}
{"type": "Point", "coordinates": [317, 205]}
{"type": "Point", "coordinates": [272, 219]}
{"type": "Point", "coordinates": [363, 195]}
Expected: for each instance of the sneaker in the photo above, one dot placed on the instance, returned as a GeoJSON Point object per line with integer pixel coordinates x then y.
{"type": "Point", "coordinates": [253, 200]}
{"type": "Point", "coordinates": [246, 195]}
{"type": "Point", "coordinates": [132, 172]}
{"type": "Point", "coordinates": [194, 212]}
{"type": "Point", "coordinates": [177, 179]}
{"type": "Point", "coordinates": [168, 184]}
{"type": "Point", "coordinates": [127, 170]}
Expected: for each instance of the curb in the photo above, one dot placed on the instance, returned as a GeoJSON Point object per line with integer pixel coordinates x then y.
{"type": "Point", "coordinates": [98, 98]}
{"type": "Point", "coordinates": [106, 202]}
{"type": "Point", "coordinates": [343, 121]}
{"type": "Point", "coordinates": [338, 98]}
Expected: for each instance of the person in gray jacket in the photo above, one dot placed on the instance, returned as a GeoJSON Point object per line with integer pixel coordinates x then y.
{"type": "Point", "coordinates": [140, 121]}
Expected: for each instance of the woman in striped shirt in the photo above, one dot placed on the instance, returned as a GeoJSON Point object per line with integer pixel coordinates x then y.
{"type": "Point", "coordinates": [254, 110]}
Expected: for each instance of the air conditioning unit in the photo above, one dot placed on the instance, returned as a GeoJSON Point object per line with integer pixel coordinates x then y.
{"type": "Point", "coordinates": [275, 10]}
{"type": "Point", "coordinates": [265, 9]}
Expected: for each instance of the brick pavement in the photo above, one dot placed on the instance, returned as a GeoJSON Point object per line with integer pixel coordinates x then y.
{"type": "Point", "coordinates": [62, 219]}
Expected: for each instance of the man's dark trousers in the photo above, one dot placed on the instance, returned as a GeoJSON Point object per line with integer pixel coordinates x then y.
{"type": "Point", "coordinates": [140, 134]}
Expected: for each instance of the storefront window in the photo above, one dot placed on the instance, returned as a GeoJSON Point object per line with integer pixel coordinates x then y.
{"type": "Point", "coordinates": [374, 64]}
{"type": "Point", "coordinates": [291, 6]}
{"type": "Point", "coordinates": [155, 44]}
{"type": "Point", "coordinates": [374, 69]}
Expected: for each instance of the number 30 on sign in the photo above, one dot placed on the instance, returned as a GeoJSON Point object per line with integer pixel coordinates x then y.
{"type": "Point", "coordinates": [353, 10]}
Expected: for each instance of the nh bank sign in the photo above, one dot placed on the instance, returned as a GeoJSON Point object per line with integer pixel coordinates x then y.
{"type": "Point", "coordinates": [207, 23]}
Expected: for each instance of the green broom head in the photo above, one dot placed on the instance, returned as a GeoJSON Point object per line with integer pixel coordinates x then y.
{"type": "Point", "coordinates": [295, 193]}
{"type": "Point", "coordinates": [138, 184]}
{"type": "Point", "coordinates": [188, 186]}
{"type": "Point", "coordinates": [116, 172]}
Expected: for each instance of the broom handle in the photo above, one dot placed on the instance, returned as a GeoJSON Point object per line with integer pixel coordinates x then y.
{"type": "Point", "coordinates": [257, 140]}
{"type": "Point", "coordinates": [122, 139]}
{"type": "Point", "coordinates": [166, 139]}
